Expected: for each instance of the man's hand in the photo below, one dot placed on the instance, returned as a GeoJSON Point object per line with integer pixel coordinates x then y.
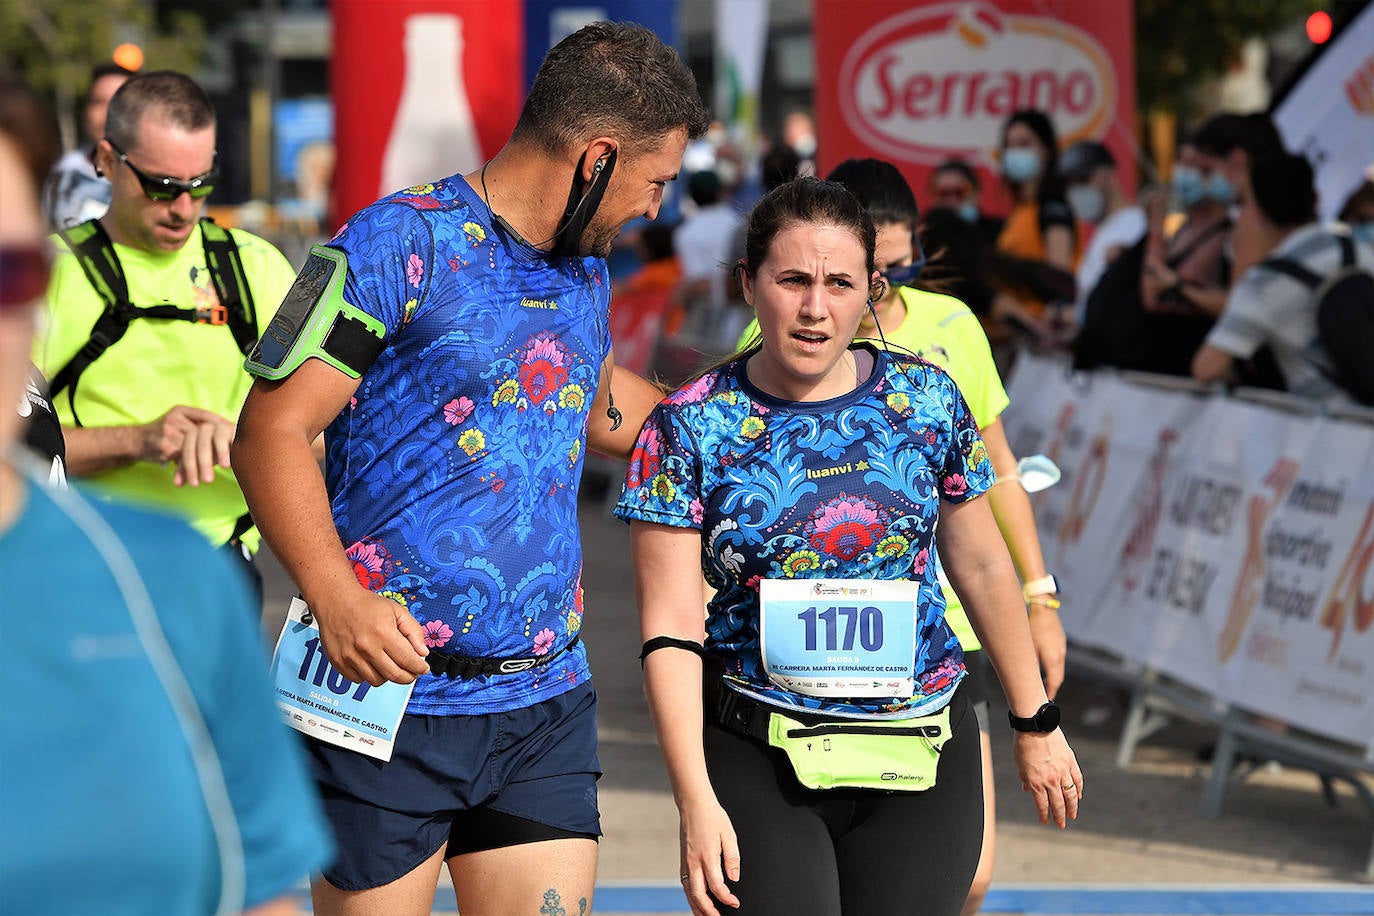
{"type": "Point", "coordinates": [371, 638]}
{"type": "Point", "coordinates": [1051, 645]}
{"type": "Point", "coordinates": [197, 440]}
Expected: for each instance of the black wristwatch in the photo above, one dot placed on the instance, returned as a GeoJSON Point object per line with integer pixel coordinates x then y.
{"type": "Point", "coordinates": [1046, 719]}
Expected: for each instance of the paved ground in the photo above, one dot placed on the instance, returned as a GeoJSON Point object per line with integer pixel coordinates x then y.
{"type": "Point", "coordinates": [1140, 825]}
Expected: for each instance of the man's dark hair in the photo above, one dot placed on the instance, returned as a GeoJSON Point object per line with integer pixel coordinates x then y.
{"type": "Point", "coordinates": [1255, 133]}
{"type": "Point", "coordinates": [882, 190]}
{"type": "Point", "coordinates": [1282, 187]}
{"type": "Point", "coordinates": [174, 97]}
{"type": "Point", "coordinates": [28, 121]}
{"type": "Point", "coordinates": [613, 78]}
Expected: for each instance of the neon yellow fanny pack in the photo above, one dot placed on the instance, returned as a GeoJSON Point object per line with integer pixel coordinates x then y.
{"type": "Point", "coordinates": [897, 755]}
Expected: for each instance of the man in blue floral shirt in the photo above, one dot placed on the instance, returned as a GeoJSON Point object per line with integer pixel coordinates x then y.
{"type": "Point", "coordinates": [442, 545]}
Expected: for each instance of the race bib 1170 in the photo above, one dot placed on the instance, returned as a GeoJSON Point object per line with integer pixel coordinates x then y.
{"type": "Point", "coordinates": [839, 637]}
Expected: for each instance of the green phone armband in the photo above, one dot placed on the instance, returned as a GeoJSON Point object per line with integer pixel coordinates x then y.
{"type": "Point", "coordinates": [315, 321]}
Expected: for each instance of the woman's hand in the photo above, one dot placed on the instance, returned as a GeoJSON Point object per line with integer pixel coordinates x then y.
{"type": "Point", "coordinates": [1050, 772]}
{"type": "Point", "coordinates": [710, 854]}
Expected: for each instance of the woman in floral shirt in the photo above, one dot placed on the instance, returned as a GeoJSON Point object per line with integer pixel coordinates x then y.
{"type": "Point", "coordinates": [819, 734]}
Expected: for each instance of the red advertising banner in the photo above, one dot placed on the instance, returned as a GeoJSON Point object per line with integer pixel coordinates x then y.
{"type": "Point", "coordinates": [917, 83]}
{"type": "Point", "coordinates": [422, 89]}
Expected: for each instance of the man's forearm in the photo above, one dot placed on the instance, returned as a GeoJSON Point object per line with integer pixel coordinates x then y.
{"type": "Point", "coordinates": [635, 398]}
{"type": "Point", "coordinates": [92, 449]}
{"type": "Point", "coordinates": [285, 491]}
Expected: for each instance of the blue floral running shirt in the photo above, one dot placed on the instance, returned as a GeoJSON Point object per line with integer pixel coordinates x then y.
{"type": "Point", "coordinates": [847, 488]}
{"type": "Point", "coordinates": [453, 472]}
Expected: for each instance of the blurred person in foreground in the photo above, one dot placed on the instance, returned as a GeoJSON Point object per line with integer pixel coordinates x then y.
{"type": "Point", "coordinates": [151, 311]}
{"type": "Point", "coordinates": [443, 549]}
{"type": "Point", "coordinates": [1268, 306]}
{"type": "Point", "coordinates": [174, 787]}
{"type": "Point", "coordinates": [75, 190]}
{"type": "Point", "coordinates": [940, 329]}
{"type": "Point", "coordinates": [811, 469]}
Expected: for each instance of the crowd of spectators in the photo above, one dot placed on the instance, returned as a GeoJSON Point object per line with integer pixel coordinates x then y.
{"type": "Point", "coordinates": [1177, 280]}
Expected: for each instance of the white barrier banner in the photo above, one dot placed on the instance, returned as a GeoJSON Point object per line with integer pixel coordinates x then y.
{"type": "Point", "coordinates": [1308, 651]}
{"type": "Point", "coordinates": [1225, 544]}
{"type": "Point", "coordinates": [1206, 576]}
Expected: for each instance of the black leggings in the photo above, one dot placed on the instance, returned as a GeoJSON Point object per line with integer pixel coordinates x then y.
{"type": "Point", "coordinates": [853, 851]}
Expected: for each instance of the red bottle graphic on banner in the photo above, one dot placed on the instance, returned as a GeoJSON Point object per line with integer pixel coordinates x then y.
{"type": "Point", "coordinates": [433, 135]}
{"type": "Point", "coordinates": [422, 89]}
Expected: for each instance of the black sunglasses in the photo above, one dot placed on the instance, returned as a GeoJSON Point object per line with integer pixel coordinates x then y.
{"type": "Point", "coordinates": [165, 189]}
{"type": "Point", "coordinates": [23, 274]}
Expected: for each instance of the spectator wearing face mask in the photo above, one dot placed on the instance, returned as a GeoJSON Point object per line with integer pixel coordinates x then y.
{"type": "Point", "coordinates": [1096, 197]}
{"type": "Point", "coordinates": [954, 187]}
{"type": "Point", "coordinates": [1229, 144]}
{"type": "Point", "coordinates": [1039, 231]}
{"type": "Point", "coordinates": [1188, 272]}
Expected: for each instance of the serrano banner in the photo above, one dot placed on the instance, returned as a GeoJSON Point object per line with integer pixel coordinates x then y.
{"type": "Point", "coordinates": [918, 83]}
{"type": "Point", "coordinates": [1225, 544]}
{"type": "Point", "coordinates": [429, 88]}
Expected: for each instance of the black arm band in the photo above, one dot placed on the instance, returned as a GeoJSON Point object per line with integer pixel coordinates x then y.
{"type": "Point", "coordinates": [670, 642]}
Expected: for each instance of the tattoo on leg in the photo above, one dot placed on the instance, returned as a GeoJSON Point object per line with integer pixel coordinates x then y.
{"type": "Point", "coordinates": [553, 905]}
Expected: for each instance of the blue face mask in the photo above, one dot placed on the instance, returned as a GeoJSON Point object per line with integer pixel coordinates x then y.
{"type": "Point", "coordinates": [1220, 188]}
{"type": "Point", "coordinates": [968, 211]}
{"type": "Point", "coordinates": [1363, 231]}
{"type": "Point", "coordinates": [1020, 163]}
{"type": "Point", "coordinates": [1189, 187]}
{"type": "Point", "coordinates": [909, 273]}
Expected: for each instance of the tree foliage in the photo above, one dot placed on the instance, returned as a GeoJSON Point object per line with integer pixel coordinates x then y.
{"type": "Point", "coordinates": [1181, 44]}
{"type": "Point", "coordinates": [54, 43]}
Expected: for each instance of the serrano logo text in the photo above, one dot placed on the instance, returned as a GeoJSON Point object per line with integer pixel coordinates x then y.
{"type": "Point", "coordinates": [940, 80]}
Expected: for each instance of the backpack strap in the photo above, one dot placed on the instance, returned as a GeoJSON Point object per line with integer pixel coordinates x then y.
{"type": "Point", "coordinates": [226, 271]}
{"type": "Point", "coordinates": [95, 253]}
{"type": "Point", "coordinates": [1309, 278]}
{"type": "Point", "coordinates": [1291, 268]}
{"type": "Point", "coordinates": [1347, 243]}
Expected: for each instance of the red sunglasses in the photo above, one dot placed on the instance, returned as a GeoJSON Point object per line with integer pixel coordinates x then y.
{"type": "Point", "coordinates": [24, 271]}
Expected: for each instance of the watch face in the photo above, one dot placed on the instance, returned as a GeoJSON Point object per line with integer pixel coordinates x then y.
{"type": "Point", "coordinates": [1047, 718]}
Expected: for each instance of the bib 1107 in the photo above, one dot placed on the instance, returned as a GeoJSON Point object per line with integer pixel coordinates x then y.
{"type": "Point", "coordinates": [318, 701]}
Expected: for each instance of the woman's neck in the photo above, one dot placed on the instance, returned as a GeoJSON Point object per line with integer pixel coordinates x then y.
{"type": "Point", "coordinates": [768, 376]}
{"type": "Point", "coordinates": [891, 314]}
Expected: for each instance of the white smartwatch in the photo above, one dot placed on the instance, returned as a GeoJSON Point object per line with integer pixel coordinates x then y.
{"type": "Point", "coordinates": [1035, 588]}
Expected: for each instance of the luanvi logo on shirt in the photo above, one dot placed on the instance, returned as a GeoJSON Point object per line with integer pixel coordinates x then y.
{"type": "Point", "coordinates": [551, 304]}
{"type": "Point", "coordinates": [849, 467]}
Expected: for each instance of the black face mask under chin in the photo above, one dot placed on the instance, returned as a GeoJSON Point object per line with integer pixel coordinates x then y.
{"type": "Point", "coordinates": [582, 206]}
